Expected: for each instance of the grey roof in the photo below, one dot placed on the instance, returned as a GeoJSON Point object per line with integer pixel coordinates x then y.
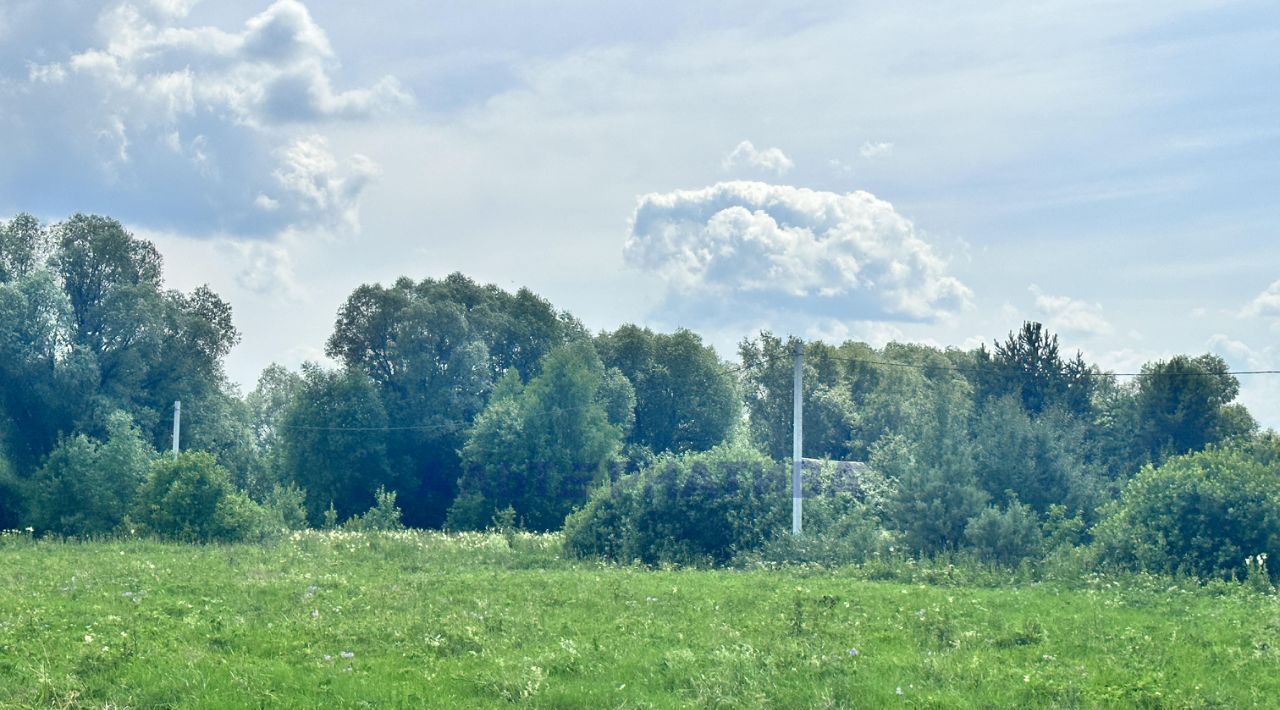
{"type": "Point", "coordinates": [825, 477]}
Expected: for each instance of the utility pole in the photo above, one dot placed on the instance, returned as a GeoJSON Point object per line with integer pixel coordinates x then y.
{"type": "Point", "coordinates": [797, 438]}
{"type": "Point", "coordinates": [177, 423]}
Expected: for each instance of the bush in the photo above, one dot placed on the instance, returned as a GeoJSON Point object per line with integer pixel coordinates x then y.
{"type": "Point", "coordinates": [285, 508]}
{"type": "Point", "coordinates": [1203, 514]}
{"type": "Point", "coordinates": [190, 498]}
{"type": "Point", "coordinates": [838, 530]}
{"type": "Point", "coordinates": [1006, 536]}
{"type": "Point", "coordinates": [13, 499]}
{"type": "Point", "coordinates": [697, 508]}
{"type": "Point", "coordinates": [85, 486]}
{"type": "Point", "coordinates": [383, 516]}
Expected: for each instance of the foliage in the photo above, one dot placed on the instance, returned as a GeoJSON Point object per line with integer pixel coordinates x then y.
{"type": "Point", "coordinates": [1006, 536]}
{"type": "Point", "coordinates": [13, 496]}
{"type": "Point", "coordinates": [334, 437]}
{"type": "Point", "coordinates": [685, 399]}
{"type": "Point", "coordinates": [699, 507]}
{"type": "Point", "coordinates": [1029, 367]}
{"type": "Point", "coordinates": [838, 530]}
{"type": "Point", "coordinates": [540, 447]}
{"type": "Point", "coordinates": [190, 498]}
{"type": "Point", "coordinates": [87, 329]}
{"type": "Point", "coordinates": [432, 350]}
{"type": "Point", "coordinates": [1201, 513]}
{"type": "Point", "coordinates": [1184, 404]}
{"type": "Point", "coordinates": [284, 508]}
{"type": "Point", "coordinates": [382, 517]}
{"type": "Point", "coordinates": [768, 391]}
{"type": "Point", "coordinates": [1035, 460]}
{"type": "Point", "coordinates": [937, 490]}
{"type": "Point", "coordinates": [86, 487]}
{"type": "Point", "coordinates": [267, 405]}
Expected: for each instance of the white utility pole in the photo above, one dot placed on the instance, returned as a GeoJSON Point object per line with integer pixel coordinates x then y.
{"type": "Point", "coordinates": [797, 438]}
{"type": "Point", "coordinates": [177, 423]}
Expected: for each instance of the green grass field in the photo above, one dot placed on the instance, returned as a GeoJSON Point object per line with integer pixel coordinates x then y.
{"type": "Point", "coordinates": [429, 620]}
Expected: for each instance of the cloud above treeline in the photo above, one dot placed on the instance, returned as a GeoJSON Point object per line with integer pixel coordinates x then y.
{"type": "Point", "coordinates": [175, 125]}
{"type": "Point", "coordinates": [1265, 305]}
{"type": "Point", "coordinates": [745, 251]}
{"type": "Point", "coordinates": [1071, 315]}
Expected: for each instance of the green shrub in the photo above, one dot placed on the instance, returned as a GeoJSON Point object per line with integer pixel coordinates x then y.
{"type": "Point", "coordinates": [85, 486]}
{"type": "Point", "coordinates": [13, 499]}
{"type": "Point", "coordinates": [285, 507]}
{"type": "Point", "coordinates": [190, 498]}
{"type": "Point", "coordinates": [838, 530]}
{"type": "Point", "coordinates": [1006, 536]}
{"type": "Point", "coordinates": [1203, 514]}
{"type": "Point", "coordinates": [696, 508]}
{"type": "Point", "coordinates": [383, 516]}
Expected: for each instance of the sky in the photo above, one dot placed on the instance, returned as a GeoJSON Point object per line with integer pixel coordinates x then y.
{"type": "Point", "coordinates": [911, 171]}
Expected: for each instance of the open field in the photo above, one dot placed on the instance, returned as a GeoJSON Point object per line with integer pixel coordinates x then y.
{"type": "Point", "coordinates": [424, 619]}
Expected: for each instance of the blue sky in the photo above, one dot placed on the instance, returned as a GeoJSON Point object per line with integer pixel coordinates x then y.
{"type": "Point", "coordinates": [873, 171]}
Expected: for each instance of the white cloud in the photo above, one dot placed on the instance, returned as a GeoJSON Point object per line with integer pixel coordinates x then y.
{"type": "Point", "coordinates": [1071, 315]}
{"type": "Point", "coordinates": [46, 73]}
{"type": "Point", "coordinates": [312, 178]}
{"type": "Point", "coordinates": [876, 150]}
{"type": "Point", "coordinates": [1265, 305]}
{"type": "Point", "coordinates": [877, 334]}
{"type": "Point", "coordinates": [1259, 393]}
{"type": "Point", "coordinates": [1235, 351]}
{"type": "Point", "coordinates": [750, 250]}
{"type": "Point", "coordinates": [215, 121]}
{"type": "Point", "coordinates": [268, 269]}
{"type": "Point", "coordinates": [278, 69]}
{"type": "Point", "coordinates": [770, 159]}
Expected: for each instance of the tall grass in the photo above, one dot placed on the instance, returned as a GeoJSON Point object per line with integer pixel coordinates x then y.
{"type": "Point", "coordinates": [419, 619]}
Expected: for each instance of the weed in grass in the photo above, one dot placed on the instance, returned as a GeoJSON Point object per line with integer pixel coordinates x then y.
{"type": "Point", "coordinates": [474, 621]}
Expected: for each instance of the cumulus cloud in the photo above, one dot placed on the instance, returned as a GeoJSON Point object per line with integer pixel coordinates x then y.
{"type": "Point", "coordinates": [746, 155]}
{"type": "Point", "coordinates": [312, 178]}
{"type": "Point", "coordinates": [278, 68]}
{"type": "Point", "coordinates": [876, 149]}
{"type": "Point", "coordinates": [1265, 305]}
{"type": "Point", "coordinates": [190, 127]}
{"type": "Point", "coordinates": [1235, 351]}
{"type": "Point", "coordinates": [1071, 315]}
{"type": "Point", "coordinates": [877, 334]}
{"type": "Point", "coordinates": [267, 269]}
{"type": "Point", "coordinates": [744, 251]}
{"type": "Point", "coordinates": [1259, 393]}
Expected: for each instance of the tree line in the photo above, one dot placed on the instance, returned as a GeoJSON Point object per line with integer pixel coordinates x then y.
{"type": "Point", "coordinates": [458, 404]}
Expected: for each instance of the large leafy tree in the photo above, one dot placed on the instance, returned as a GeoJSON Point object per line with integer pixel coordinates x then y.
{"type": "Point", "coordinates": [45, 379]}
{"type": "Point", "coordinates": [768, 387]}
{"type": "Point", "coordinates": [433, 349]}
{"type": "Point", "coordinates": [1184, 404]}
{"type": "Point", "coordinates": [334, 436]}
{"type": "Point", "coordinates": [268, 404]}
{"type": "Point", "coordinates": [686, 399]}
{"type": "Point", "coordinates": [24, 245]}
{"type": "Point", "coordinates": [539, 448]}
{"type": "Point", "coordinates": [87, 329]}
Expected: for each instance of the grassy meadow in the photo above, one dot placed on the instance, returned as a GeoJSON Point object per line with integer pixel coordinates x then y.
{"type": "Point", "coordinates": [419, 619]}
